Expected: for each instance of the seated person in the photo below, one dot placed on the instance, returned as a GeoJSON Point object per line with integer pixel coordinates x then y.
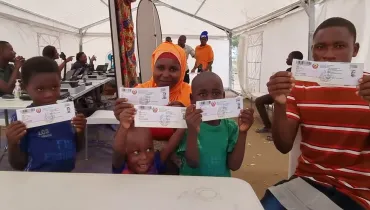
{"type": "Point", "coordinates": [134, 149]}
{"type": "Point", "coordinates": [262, 101]}
{"type": "Point", "coordinates": [333, 169]}
{"type": "Point", "coordinates": [52, 53]}
{"type": "Point", "coordinates": [169, 66]}
{"type": "Point", "coordinates": [48, 148]}
{"type": "Point", "coordinates": [81, 62]}
{"type": "Point", "coordinates": [8, 73]}
{"type": "Point", "coordinates": [212, 148]}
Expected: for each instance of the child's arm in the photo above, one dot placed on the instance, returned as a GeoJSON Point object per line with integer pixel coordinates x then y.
{"type": "Point", "coordinates": [119, 150]}
{"type": "Point", "coordinates": [173, 142]}
{"type": "Point", "coordinates": [193, 119]}
{"type": "Point", "coordinates": [14, 133]}
{"type": "Point", "coordinates": [236, 156]}
{"type": "Point", "coordinates": [79, 122]}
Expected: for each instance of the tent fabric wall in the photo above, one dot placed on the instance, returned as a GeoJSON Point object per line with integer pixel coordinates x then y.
{"type": "Point", "coordinates": [24, 38]}
{"type": "Point", "coordinates": [289, 33]}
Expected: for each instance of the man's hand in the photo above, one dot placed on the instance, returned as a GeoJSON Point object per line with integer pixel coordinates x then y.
{"type": "Point", "coordinates": [245, 119]}
{"type": "Point", "coordinates": [121, 104]}
{"type": "Point", "coordinates": [176, 103]}
{"type": "Point", "coordinates": [280, 86]}
{"type": "Point", "coordinates": [69, 59]}
{"type": "Point", "coordinates": [363, 89]}
{"type": "Point", "coordinates": [93, 58]}
{"type": "Point", "coordinates": [79, 122]}
{"type": "Point", "coordinates": [18, 62]}
{"type": "Point", "coordinates": [15, 132]}
{"type": "Point", "coordinates": [193, 118]}
{"type": "Point", "coordinates": [126, 117]}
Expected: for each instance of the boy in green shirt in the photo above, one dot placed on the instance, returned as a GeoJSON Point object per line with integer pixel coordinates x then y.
{"type": "Point", "coordinates": [8, 72]}
{"type": "Point", "coordinates": [212, 148]}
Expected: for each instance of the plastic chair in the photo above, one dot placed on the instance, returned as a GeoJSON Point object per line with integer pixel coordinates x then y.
{"type": "Point", "coordinates": [99, 117]}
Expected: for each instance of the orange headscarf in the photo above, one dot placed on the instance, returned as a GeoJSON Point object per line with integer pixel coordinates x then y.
{"type": "Point", "coordinates": [181, 91]}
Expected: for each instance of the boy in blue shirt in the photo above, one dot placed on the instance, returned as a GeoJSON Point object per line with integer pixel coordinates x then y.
{"type": "Point", "coordinates": [215, 147]}
{"type": "Point", "coordinates": [48, 148]}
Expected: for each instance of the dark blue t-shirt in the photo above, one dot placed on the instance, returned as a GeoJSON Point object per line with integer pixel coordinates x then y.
{"type": "Point", "coordinates": [50, 148]}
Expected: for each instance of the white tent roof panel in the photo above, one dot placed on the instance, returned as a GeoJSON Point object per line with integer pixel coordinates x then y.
{"type": "Point", "coordinates": [80, 13]}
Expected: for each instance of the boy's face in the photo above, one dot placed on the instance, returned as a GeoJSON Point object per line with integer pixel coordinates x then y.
{"type": "Point", "coordinates": [207, 90]}
{"type": "Point", "coordinates": [140, 151]}
{"type": "Point", "coordinates": [8, 53]}
{"type": "Point", "coordinates": [44, 88]}
{"type": "Point", "coordinates": [334, 44]}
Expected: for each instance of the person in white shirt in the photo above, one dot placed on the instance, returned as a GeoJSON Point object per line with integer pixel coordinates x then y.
{"type": "Point", "coordinates": [188, 51]}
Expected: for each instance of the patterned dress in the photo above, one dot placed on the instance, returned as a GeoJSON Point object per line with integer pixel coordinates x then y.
{"type": "Point", "coordinates": [127, 43]}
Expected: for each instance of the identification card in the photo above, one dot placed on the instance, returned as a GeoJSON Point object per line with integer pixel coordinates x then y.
{"type": "Point", "coordinates": [146, 96]}
{"type": "Point", "coordinates": [220, 109]}
{"type": "Point", "coordinates": [160, 116]}
{"type": "Point", "coordinates": [328, 73]}
{"type": "Point", "coordinates": [45, 115]}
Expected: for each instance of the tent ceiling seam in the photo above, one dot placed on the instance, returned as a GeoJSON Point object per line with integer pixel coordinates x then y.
{"type": "Point", "coordinates": [35, 14]}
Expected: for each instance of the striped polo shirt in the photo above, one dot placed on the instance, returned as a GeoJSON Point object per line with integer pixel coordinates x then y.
{"type": "Point", "coordinates": [335, 126]}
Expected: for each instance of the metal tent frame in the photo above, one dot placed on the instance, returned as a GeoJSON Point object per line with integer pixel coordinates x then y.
{"type": "Point", "coordinates": [308, 5]}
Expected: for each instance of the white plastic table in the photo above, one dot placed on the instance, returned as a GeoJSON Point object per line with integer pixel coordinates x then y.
{"type": "Point", "coordinates": [72, 191]}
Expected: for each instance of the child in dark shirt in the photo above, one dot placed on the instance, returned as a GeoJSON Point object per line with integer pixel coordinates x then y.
{"type": "Point", "coordinates": [48, 148]}
{"type": "Point", "coordinates": [134, 150]}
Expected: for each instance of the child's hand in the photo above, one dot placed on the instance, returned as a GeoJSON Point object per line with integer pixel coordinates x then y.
{"type": "Point", "coordinates": [15, 132]}
{"type": "Point", "coordinates": [245, 119]}
{"type": "Point", "coordinates": [127, 116]}
{"type": "Point", "coordinates": [193, 118]}
{"type": "Point", "coordinates": [121, 104]}
{"type": "Point", "coordinates": [79, 122]}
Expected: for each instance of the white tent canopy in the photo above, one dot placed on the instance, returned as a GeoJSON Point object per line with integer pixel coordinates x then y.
{"type": "Point", "coordinates": [71, 25]}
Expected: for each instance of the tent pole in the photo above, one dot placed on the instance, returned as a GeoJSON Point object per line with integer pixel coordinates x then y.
{"type": "Point", "coordinates": [80, 46]}
{"type": "Point", "coordinates": [231, 73]}
{"type": "Point", "coordinates": [312, 26]}
{"type": "Point", "coordinates": [191, 15]}
{"type": "Point", "coordinates": [200, 7]}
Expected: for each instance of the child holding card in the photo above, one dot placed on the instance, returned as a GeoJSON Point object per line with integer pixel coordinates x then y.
{"type": "Point", "coordinates": [48, 148]}
{"type": "Point", "coordinates": [134, 149]}
{"type": "Point", "coordinates": [215, 147]}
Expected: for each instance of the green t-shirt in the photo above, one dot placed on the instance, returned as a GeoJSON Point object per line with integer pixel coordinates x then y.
{"type": "Point", "coordinates": [5, 74]}
{"type": "Point", "coordinates": [214, 143]}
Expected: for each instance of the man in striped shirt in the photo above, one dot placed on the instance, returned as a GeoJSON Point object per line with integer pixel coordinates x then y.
{"type": "Point", "coordinates": [334, 168]}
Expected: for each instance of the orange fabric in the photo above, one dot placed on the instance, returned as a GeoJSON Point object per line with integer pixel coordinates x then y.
{"type": "Point", "coordinates": [204, 55]}
{"type": "Point", "coordinates": [181, 91]}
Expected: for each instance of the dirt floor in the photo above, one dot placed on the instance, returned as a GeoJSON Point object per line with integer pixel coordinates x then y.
{"type": "Point", "coordinates": [263, 165]}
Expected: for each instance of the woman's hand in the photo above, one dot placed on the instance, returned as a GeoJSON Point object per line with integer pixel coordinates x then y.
{"type": "Point", "coordinates": [176, 103]}
{"type": "Point", "coordinates": [121, 104]}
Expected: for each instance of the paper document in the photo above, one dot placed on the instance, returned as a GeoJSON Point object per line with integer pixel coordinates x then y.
{"type": "Point", "coordinates": [45, 115]}
{"type": "Point", "coordinates": [146, 96]}
{"type": "Point", "coordinates": [220, 109]}
{"type": "Point", "coordinates": [328, 73]}
{"type": "Point", "coordinates": [160, 116]}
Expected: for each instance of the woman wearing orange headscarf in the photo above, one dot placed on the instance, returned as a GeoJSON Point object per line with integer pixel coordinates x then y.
{"type": "Point", "coordinates": [168, 67]}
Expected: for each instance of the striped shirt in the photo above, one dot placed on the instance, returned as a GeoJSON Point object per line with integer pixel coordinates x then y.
{"type": "Point", "coordinates": [335, 126]}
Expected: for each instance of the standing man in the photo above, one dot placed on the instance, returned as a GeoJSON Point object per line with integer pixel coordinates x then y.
{"type": "Point", "coordinates": [267, 99]}
{"type": "Point", "coordinates": [188, 51]}
{"type": "Point", "coordinates": [333, 169]}
{"type": "Point", "coordinates": [203, 54]}
{"type": "Point", "coordinates": [8, 72]}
